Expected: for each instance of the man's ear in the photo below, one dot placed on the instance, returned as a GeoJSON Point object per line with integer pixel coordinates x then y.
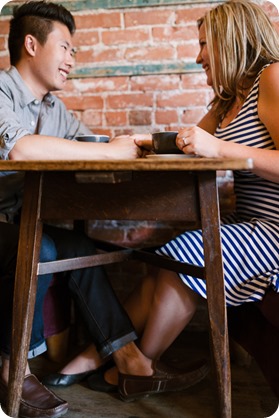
{"type": "Point", "coordinates": [30, 44]}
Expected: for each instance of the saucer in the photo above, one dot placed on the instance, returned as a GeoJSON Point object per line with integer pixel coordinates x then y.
{"type": "Point", "coordinates": [159, 156]}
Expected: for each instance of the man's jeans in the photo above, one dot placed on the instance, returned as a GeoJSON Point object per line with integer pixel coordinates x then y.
{"type": "Point", "coordinates": [108, 324]}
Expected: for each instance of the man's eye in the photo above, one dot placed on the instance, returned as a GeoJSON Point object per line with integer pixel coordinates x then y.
{"type": "Point", "coordinates": [73, 52]}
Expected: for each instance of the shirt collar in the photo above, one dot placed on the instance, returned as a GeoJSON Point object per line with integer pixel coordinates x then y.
{"type": "Point", "coordinates": [24, 94]}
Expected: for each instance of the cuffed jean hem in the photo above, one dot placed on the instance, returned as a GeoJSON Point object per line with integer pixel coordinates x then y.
{"type": "Point", "coordinates": [110, 347]}
{"type": "Point", "coordinates": [37, 351]}
{"type": "Point", "coordinates": [31, 353]}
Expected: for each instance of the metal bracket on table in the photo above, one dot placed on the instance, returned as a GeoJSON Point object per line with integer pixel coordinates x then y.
{"type": "Point", "coordinates": [103, 177]}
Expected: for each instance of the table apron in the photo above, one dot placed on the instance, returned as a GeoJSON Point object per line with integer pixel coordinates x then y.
{"type": "Point", "coordinates": [164, 196]}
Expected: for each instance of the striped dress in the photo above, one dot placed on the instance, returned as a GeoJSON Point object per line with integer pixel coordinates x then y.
{"type": "Point", "coordinates": [250, 236]}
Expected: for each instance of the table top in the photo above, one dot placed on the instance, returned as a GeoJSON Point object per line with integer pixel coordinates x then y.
{"type": "Point", "coordinates": [140, 164]}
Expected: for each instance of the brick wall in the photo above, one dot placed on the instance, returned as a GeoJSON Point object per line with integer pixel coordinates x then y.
{"type": "Point", "coordinates": [135, 68]}
{"type": "Point", "coordinates": [135, 73]}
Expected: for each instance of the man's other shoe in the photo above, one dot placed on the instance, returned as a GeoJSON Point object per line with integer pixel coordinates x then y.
{"type": "Point", "coordinates": [36, 401]}
{"type": "Point", "coordinates": [163, 379]}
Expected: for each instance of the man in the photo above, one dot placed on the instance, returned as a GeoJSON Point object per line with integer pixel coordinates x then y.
{"type": "Point", "coordinates": [35, 125]}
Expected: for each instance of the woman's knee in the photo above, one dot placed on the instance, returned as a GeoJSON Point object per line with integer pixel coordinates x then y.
{"type": "Point", "coordinates": [171, 288]}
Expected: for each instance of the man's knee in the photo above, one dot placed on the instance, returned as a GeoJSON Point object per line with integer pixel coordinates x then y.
{"type": "Point", "coordinates": [48, 249]}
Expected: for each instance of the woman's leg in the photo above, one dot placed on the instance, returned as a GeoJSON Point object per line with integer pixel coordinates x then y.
{"type": "Point", "coordinates": [160, 308]}
{"type": "Point", "coordinates": [138, 304]}
{"type": "Point", "coordinates": [173, 306]}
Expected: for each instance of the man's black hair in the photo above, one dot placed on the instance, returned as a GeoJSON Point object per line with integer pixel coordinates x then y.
{"type": "Point", "coordinates": [35, 18]}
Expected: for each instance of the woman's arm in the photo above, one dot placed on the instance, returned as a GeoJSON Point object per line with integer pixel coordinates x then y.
{"type": "Point", "coordinates": [198, 141]}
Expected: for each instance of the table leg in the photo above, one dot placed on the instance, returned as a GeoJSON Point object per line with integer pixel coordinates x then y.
{"type": "Point", "coordinates": [215, 289]}
{"type": "Point", "coordinates": [25, 287]}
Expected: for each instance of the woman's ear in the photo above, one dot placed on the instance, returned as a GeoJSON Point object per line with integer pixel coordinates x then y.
{"type": "Point", "coordinates": [30, 44]}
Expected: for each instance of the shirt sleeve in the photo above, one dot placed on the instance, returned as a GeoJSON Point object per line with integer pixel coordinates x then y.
{"type": "Point", "coordinates": [17, 120]}
{"type": "Point", "coordinates": [11, 128]}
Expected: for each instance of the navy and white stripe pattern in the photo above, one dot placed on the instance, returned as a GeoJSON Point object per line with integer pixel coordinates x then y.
{"type": "Point", "coordinates": [250, 237]}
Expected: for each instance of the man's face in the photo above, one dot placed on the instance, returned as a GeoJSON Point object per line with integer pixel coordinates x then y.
{"type": "Point", "coordinates": [53, 61]}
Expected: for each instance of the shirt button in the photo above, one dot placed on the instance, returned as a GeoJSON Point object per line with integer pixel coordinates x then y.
{"type": "Point", "coordinates": [36, 102]}
{"type": "Point", "coordinates": [32, 123]}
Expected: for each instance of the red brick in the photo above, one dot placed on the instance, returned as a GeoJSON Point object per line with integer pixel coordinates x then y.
{"type": "Point", "coordinates": [154, 53]}
{"type": "Point", "coordinates": [92, 118]}
{"type": "Point", "coordinates": [85, 38]}
{"type": "Point", "coordinates": [84, 56]}
{"type": "Point", "coordinates": [69, 87]}
{"type": "Point", "coordinates": [100, 84]}
{"type": "Point", "coordinates": [124, 131]}
{"type": "Point", "coordinates": [183, 99]}
{"type": "Point", "coordinates": [194, 80]}
{"type": "Point", "coordinates": [192, 116]}
{"type": "Point", "coordinates": [122, 101]}
{"type": "Point", "coordinates": [98, 20]}
{"type": "Point", "coordinates": [170, 33]}
{"type": "Point", "coordinates": [99, 55]}
{"type": "Point", "coordinates": [83, 102]}
{"type": "Point", "coordinates": [118, 118]}
{"type": "Point", "coordinates": [3, 43]}
{"type": "Point", "coordinates": [4, 62]}
{"type": "Point", "coordinates": [153, 82]}
{"type": "Point", "coordinates": [166, 116]}
{"type": "Point", "coordinates": [188, 51]}
{"type": "Point", "coordinates": [148, 17]}
{"type": "Point", "coordinates": [140, 117]}
{"type": "Point", "coordinates": [5, 25]}
{"type": "Point", "coordinates": [186, 16]}
{"type": "Point", "coordinates": [116, 37]}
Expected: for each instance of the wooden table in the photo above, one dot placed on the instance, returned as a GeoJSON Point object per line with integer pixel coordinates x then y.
{"type": "Point", "coordinates": [143, 189]}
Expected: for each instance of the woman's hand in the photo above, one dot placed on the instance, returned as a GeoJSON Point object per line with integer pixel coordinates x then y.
{"type": "Point", "coordinates": [197, 141]}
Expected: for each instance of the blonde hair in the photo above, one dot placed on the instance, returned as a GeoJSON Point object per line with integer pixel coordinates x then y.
{"type": "Point", "coordinates": [245, 40]}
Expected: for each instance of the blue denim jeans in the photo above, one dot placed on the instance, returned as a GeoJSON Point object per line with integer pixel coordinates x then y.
{"type": "Point", "coordinates": [8, 255]}
{"type": "Point", "coordinates": [107, 322]}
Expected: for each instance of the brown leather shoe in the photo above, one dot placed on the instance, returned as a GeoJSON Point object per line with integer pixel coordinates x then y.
{"type": "Point", "coordinates": [36, 401]}
{"type": "Point", "coordinates": [164, 379]}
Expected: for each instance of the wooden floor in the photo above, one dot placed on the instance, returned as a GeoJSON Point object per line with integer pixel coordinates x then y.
{"type": "Point", "coordinates": [251, 397]}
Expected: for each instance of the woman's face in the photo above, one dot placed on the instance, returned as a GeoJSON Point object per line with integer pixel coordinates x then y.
{"type": "Point", "coordinates": [203, 56]}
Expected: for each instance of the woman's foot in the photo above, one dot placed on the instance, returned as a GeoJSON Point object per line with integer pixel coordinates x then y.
{"type": "Point", "coordinates": [77, 370]}
{"type": "Point", "coordinates": [88, 360]}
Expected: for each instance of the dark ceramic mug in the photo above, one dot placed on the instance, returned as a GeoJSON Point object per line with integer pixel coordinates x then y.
{"type": "Point", "coordinates": [164, 143]}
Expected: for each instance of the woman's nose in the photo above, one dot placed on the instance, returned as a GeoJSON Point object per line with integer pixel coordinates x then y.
{"type": "Point", "coordinates": [199, 58]}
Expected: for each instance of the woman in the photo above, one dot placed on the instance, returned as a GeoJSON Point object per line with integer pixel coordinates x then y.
{"type": "Point", "coordinates": [239, 51]}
